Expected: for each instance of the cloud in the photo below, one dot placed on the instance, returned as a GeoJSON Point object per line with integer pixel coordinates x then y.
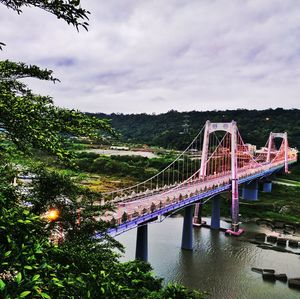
{"type": "Point", "coordinates": [157, 100]}
{"type": "Point", "coordinates": [154, 56]}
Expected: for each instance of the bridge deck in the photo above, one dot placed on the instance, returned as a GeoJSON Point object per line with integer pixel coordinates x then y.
{"type": "Point", "coordinates": [139, 209]}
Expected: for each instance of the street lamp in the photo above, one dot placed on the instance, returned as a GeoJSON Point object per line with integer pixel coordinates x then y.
{"type": "Point", "coordinates": [52, 215]}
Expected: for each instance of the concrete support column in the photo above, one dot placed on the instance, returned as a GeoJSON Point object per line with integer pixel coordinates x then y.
{"type": "Point", "coordinates": [215, 214]}
{"type": "Point", "coordinates": [141, 252]}
{"type": "Point", "coordinates": [267, 187]}
{"type": "Point", "coordinates": [197, 221]}
{"type": "Point", "coordinates": [250, 191]}
{"type": "Point", "coordinates": [187, 230]}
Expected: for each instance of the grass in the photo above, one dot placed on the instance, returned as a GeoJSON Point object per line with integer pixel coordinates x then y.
{"type": "Point", "coordinates": [106, 183]}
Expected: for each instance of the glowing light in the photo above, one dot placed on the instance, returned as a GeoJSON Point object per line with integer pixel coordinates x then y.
{"type": "Point", "coordinates": [267, 118]}
{"type": "Point", "coordinates": [52, 214]}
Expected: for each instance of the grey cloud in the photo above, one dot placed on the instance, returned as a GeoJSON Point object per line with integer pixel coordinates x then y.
{"type": "Point", "coordinates": [157, 100]}
{"type": "Point", "coordinates": [196, 55]}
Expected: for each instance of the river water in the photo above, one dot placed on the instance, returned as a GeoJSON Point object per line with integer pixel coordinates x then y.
{"type": "Point", "coordinates": [218, 264]}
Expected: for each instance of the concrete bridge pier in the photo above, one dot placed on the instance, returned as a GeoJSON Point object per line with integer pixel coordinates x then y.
{"type": "Point", "coordinates": [187, 230]}
{"type": "Point", "coordinates": [215, 214]}
{"type": "Point", "coordinates": [250, 191]}
{"type": "Point", "coordinates": [197, 220]}
{"type": "Point", "coordinates": [267, 187]}
{"type": "Point", "coordinates": [141, 252]}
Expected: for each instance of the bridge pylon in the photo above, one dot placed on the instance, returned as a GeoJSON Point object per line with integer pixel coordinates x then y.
{"type": "Point", "coordinates": [231, 128]}
{"type": "Point", "coordinates": [286, 148]}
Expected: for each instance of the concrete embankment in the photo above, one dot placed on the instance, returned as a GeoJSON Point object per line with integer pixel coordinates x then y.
{"type": "Point", "coordinates": [270, 275]}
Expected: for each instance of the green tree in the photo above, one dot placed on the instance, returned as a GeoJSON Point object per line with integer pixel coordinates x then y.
{"type": "Point", "coordinates": [164, 129]}
{"type": "Point", "coordinates": [68, 10]}
{"type": "Point", "coordinates": [33, 121]}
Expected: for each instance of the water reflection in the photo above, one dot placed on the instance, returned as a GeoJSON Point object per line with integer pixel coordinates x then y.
{"type": "Point", "coordinates": [219, 264]}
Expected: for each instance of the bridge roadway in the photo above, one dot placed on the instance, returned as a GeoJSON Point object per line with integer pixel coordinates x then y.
{"type": "Point", "coordinates": [191, 192]}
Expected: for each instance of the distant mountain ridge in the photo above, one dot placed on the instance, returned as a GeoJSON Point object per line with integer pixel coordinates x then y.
{"type": "Point", "coordinates": [176, 129]}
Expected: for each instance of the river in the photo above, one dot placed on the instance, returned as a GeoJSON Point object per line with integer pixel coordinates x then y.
{"type": "Point", "coordinates": [218, 264]}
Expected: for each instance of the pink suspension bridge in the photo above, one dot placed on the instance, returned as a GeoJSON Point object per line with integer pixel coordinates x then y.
{"type": "Point", "coordinates": [216, 161]}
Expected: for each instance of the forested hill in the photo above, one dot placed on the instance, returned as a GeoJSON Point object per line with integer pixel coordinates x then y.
{"type": "Point", "coordinates": [176, 129]}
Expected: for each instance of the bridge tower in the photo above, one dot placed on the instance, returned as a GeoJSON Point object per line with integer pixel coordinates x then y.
{"type": "Point", "coordinates": [286, 148]}
{"type": "Point", "coordinates": [197, 213]}
{"type": "Point", "coordinates": [231, 128]}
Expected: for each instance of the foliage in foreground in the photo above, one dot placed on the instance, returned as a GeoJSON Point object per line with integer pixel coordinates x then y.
{"type": "Point", "coordinates": [82, 267]}
{"type": "Point", "coordinates": [30, 265]}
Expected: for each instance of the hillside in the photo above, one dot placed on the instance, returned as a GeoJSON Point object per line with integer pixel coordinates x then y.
{"type": "Point", "coordinates": [176, 129]}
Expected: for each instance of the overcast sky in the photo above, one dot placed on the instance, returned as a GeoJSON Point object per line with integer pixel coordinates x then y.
{"type": "Point", "coordinates": [154, 56]}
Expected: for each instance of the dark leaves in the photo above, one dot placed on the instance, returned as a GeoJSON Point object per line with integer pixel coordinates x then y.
{"type": "Point", "coordinates": [32, 121]}
{"type": "Point", "coordinates": [10, 71]}
{"type": "Point", "coordinates": [68, 10]}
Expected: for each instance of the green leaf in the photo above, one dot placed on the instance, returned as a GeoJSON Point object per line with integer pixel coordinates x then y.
{"type": "Point", "coordinates": [28, 267]}
{"type": "Point", "coordinates": [2, 285]}
{"type": "Point", "coordinates": [35, 277]}
{"type": "Point", "coordinates": [24, 294]}
{"type": "Point", "coordinates": [79, 279]}
{"type": "Point", "coordinates": [18, 277]}
{"type": "Point", "coordinates": [45, 295]}
{"type": "Point", "coordinates": [7, 253]}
